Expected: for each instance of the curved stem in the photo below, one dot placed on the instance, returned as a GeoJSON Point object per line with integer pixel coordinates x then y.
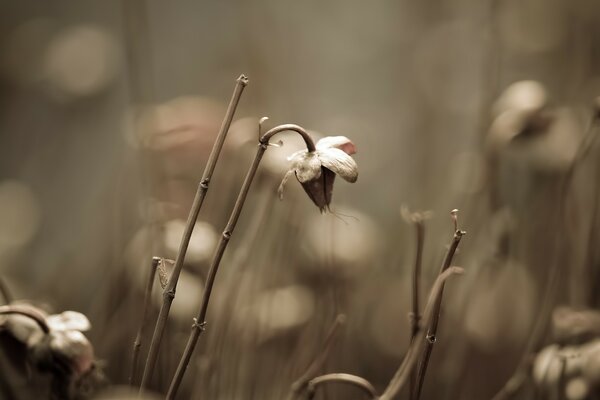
{"type": "Point", "coordinates": [137, 344]}
{"type": "Point", "coordinates": [348, 379]}
{"type": "Point", "coordinates": [169, 291]}
{"type": "Point", "coordinates": [310, 144]}
{"type": "Point", "coordinates": [200, 320]}
{"type": "Point", "coordinates": [416, 348]}
{"type": "Point", "coordinates": [29, 312]}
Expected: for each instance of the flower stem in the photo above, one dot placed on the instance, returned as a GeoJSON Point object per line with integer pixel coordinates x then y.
{"type": "Point", "coordinates": [349, 379]}
{"type": "Point", "coordinates": [200, 321]}
{"type": "Point", "coordinates": [137, 344]}
{"type": "Point", "coordinates": [416, 348]}
{"type": "Point", "coordinates": [29, 312]}
{"type": "Point", "coordinates": [432, 330]}
{"type": "Point", "coordinates": [302, 382]}
{"type": "Point", "coordinates": [169, 291]}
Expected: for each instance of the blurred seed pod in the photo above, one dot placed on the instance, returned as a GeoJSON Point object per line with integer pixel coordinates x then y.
{"type": "Point", "coordinates": [591, 365]}
{"type": "Point", "coordinates": [572, 326]}
{"type": "Point", "coordinates": [274, 312]}
{"type": "Point", "coordinates": [554, 361]}
{"type": "Point", "coordinates": [526, 130]}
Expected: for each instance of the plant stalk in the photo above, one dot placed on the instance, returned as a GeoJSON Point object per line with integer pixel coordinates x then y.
{"type": "Point", "coordinates": [200, 321]}
{"type": "Point", "coordinates": [137, 344]}
{"type": "Point", "coordinates": [432, 330]}
{"type": "Point", "coordinates": [29, 312]}
{"type": "Point", "coordinates": [415, 316]}
{"type": "Point", "coordinates": [301, 383]}
{"type": "Point", "coordinates": [169, 291]}
{"type": "Point", "coordinates": [417, 347]}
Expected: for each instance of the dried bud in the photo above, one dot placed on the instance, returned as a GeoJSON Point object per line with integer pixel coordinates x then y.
{"type": "Point", "coordinates": [316, 170]}
{"type": "Point", "coordinates": [165, 269]}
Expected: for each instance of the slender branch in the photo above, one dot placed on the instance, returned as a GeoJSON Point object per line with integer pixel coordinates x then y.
{"type": "Point", "coordinates": [26, 311]}
{"type": "Point", "coordinates": [417, 347]}
{"type": "Point", "coordinates": [432, 331]}
{"type": "Point", "coordinates": [137, 344]}
{"type": "Point", "coordinates": [169, 291]}
{"type": "Point", "coordinates": [313, 369]}
{"type": "Point", "coordinates": [6, 294]}
{"type": "Point", "coordinates": [348, 379]}
{"type": "Point", "coordinates": [200, 320]}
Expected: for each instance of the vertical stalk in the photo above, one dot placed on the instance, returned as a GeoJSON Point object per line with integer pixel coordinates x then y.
{"type": "Point", "coordinates": [169, 291]}
{"type": "Point", "coordinates": [200, 321]}
{"type": "Point", "coordinates": [137, 344]}
{"type": "Point", "coordinates": [8, 298]}
{"type": "Point", "coordinates": [415, 317]}
{"type": "Point", "coordinates": [432, 330]}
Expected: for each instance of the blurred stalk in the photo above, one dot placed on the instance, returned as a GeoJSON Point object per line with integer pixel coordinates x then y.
{"type": "Point", "coordinates": [137, 344]}
{"type": "Point", "coordinates": [6, 294]}
{"type": "Point", "coordinates": [199, 322]}
{"type": "Point", "coordinates": [169, 291]}
{"type": "Point", "coordinates": [348, 379]}
{"type": "Point", "coordinates": [301, 383]}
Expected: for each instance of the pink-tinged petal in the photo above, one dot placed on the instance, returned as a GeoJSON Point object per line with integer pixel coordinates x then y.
{"type": "Point", "coordinates": [339, 162]}
{"type": "Point", "coordinates": [337, 142]}
{"type": "Point", "coordinates": [307, 167]}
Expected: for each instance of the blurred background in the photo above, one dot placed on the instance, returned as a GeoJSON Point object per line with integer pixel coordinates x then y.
{"type": "Point", "coordinates": [108, 111]}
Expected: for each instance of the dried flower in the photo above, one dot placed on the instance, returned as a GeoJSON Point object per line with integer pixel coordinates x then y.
{"type": "Point", "coordinates": [316, 170]}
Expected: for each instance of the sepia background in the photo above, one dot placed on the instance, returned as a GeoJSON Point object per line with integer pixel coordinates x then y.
{"type": "Point", "coordinates": [108, 111]}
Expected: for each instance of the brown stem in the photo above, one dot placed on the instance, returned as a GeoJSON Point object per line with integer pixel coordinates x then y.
{"type": "Point", "coordinates": [432, 330]}
{"type": "Point", "coordinates": [137, 344]}
{"type": "Point", "coordinates": [200, 320]}
{"type": "Point", "coordinates": [169, 291]}
{"type": "Point", "coordinates": [348, 379]}
{"type": "Point", "coordinates": [29, 312]}
{"type": "Point", "coordinates": [8, 298]}
{"type": "Point", "coordinates": [417, 347]}
{"type": "Point", "coordinates": [415, 315]}
{"type": "Point", "coordinates": [313, 369]}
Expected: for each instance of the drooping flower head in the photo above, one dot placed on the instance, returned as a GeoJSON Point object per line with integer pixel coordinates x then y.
{"type": "Point", "coordinates": [316, 170]}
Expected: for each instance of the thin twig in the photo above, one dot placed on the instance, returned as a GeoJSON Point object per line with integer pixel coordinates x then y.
{"type": "Point", "coordinates": [417, 347]}
{"type": "Point", "coordinates": [137, 344]}
{"type": "Point", "coordinates": [432, 330]}
{"type": "Point", "coordinates": [348, 379]}
{"type": "Point", "coordinates": [26, 311]}
{"type": "Point", "coordinates": [200, 320]}
{"type": "Point", "coordinates": [6, 294]}
{"type": "Point", "coordinates": [169, 291]}
{"type": "Point", "coordinates": [313, 369]}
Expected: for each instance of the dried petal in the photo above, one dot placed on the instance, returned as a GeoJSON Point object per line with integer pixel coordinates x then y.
{"type": "Point", "coordinates": [338, 142]}
{"type": "Point", "coordinates": [340, 163]}
{"type": "Point", "coordinates": [319, 190]}
{"type": "Point", "coordinates": [307, 166]}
